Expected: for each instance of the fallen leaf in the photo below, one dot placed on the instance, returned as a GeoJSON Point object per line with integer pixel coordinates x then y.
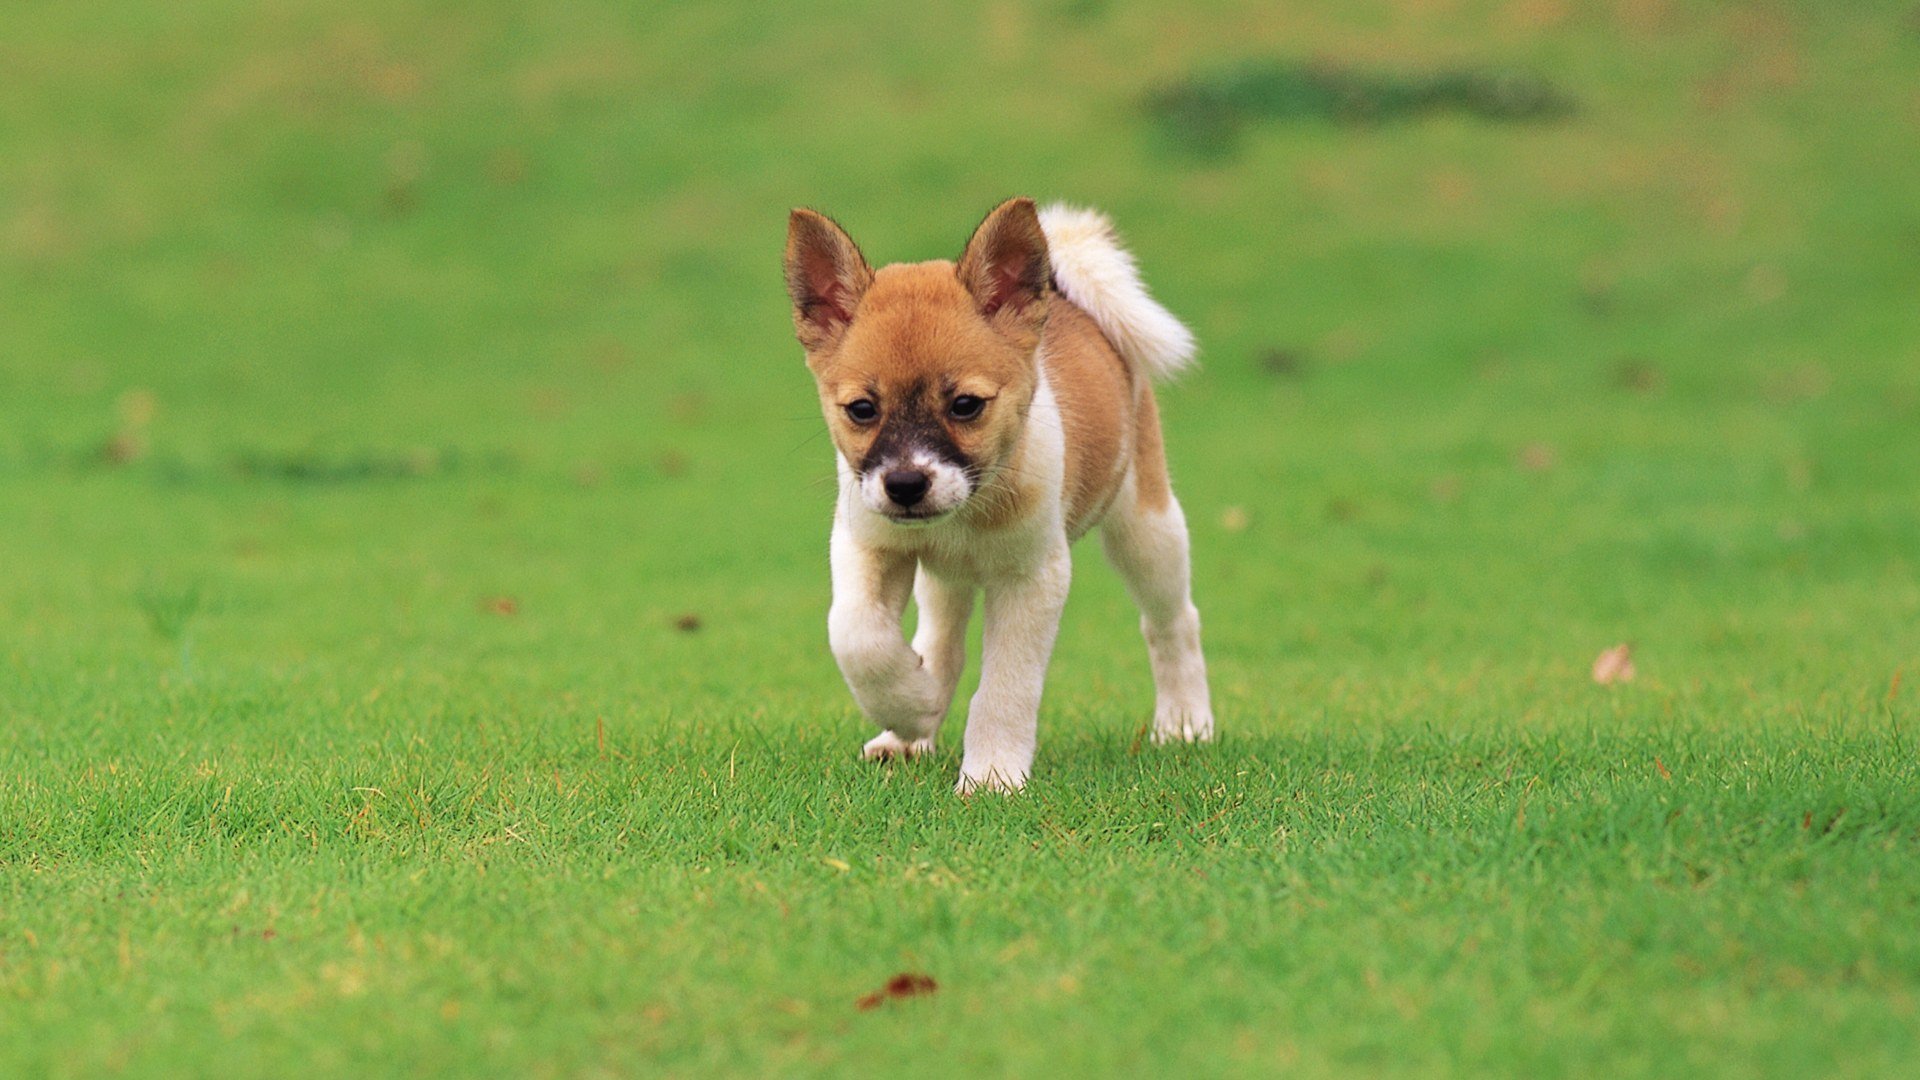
{"type": "Point", "coordinates": [1538, 457]}
{"type": "Point", "coordinates": [124, 448]}
{"type": "Point", "coordinates": [904, 985]}
{"type": "Point", "coordinates": [1637, 376]}
{"type": "Point", "coordinates": [1614, 665]}
{"type": "Point", "coordinates": [687, 623]}
{"type": "Point", "coordinates": [1660, 765]}
{"type": "Point", "coordinates": [136, 408]}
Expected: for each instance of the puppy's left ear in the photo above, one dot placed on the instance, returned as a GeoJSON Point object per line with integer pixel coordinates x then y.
{"type": "Point", "coordinates": [826, 276]}
{"type": "Point", "coordinates": [1005, 265]}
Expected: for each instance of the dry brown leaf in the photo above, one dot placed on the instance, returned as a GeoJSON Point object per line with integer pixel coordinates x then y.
{"type": "Point", "coordinates": [904, 985]}
{"type": "Point", "coordinates": [1614, 665]}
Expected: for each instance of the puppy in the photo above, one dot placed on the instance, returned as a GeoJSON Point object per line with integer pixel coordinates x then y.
{"type": "Point", "coordinates": [986, 414]}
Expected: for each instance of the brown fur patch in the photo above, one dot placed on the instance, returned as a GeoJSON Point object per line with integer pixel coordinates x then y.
{"type": "Point", "coordinates": [1151, 486]}
{"type": "Point", "coordinates": [1096, 391]}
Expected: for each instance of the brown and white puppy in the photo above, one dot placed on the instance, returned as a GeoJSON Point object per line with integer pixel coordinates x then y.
{"type": "Point", "coordinates": [987, 414]}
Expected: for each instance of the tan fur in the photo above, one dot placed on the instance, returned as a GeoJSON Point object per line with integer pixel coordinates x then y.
{"type": "Point", "coordinates": [1098, 395]}
{"type": "Point", "coordinates": [1151, 485]}
{"type": "Point", "coordinates": [919, 336]}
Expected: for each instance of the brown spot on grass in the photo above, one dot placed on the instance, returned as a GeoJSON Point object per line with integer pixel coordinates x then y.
{"type": "Point", "coordinates": [507, 166]}
{"type": "Point", "coordinates": [688, 408]}
{"type": "Point", "coordinates": [1637, 376]}
{"type": "Point", "coordinates": [501, 605]}
{"type": "Point", "coordinates": [907, 984]}
{"type": "Point", "coordinates": [1284, 362]}
{"type": "Point", "coordinates": [1535, 15]}
{"type": "Point", "coordinates": [610, 356]}
{"type": "Point", "coordinates": [123, 448]}
{"type": "Point", "coordinates": [1804, 382]}
{"type": "Point", "coordinates": [688, 623]}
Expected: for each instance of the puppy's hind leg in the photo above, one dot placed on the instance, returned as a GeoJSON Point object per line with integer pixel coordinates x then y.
{"type": "Point", "coordinates": [1145, 536]}
{"type": "Point", "coordinates": [940, 638]}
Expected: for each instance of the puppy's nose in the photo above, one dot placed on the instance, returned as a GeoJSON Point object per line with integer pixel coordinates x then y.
{"type": "Point", "coordinates": [905, 486]}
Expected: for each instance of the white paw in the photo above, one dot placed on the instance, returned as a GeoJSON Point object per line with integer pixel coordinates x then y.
{"type": "Point", "coordinates": [887, 746]}
{"type": "Point", "coordinates": [999, 780]}
{"type": "Point", "coordinates": [1173, 723]}
{"type": "Point", "coordinates": [912, 702]}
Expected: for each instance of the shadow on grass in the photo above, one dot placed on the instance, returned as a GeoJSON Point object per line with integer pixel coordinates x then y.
{"type": "Point", "coordinates": [1204, 114]}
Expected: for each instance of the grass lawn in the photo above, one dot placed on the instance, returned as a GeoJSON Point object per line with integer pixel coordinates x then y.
{"type": "Point", "coordinates": [413, 518]}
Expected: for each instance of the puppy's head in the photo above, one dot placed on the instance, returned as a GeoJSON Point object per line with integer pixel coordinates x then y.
{"type": "Point", "coordinates": [926, 370]}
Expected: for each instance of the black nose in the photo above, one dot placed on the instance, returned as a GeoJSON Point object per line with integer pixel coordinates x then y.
{"type": "Point", "coordinates": [906, 486]}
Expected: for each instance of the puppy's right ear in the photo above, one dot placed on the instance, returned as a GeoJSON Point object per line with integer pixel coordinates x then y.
{"type": "Point", "coordinates": [826, 276]}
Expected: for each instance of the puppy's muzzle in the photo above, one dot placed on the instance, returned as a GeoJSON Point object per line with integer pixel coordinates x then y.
{"type": "Point", "coordinates": [906, 487]}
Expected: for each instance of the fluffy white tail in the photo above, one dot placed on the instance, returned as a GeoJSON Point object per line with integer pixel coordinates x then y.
{"type": "Point", "coordinates": [1096, 273]}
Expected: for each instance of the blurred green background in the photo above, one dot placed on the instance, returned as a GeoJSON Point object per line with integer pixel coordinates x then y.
{"type": "Point", "coordinates": [402, 396]}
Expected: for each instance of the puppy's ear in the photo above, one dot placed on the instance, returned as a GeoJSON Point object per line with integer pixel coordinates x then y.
{"type": "Point", "coordinates": [826, 276]}
{"type": "Point", "coordinates": [1005, 265]}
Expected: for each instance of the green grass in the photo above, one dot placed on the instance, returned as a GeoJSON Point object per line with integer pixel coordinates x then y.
{"type": "Point", "coordinates": [381, 386]}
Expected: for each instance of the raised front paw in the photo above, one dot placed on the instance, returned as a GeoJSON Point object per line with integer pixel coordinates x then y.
{"type": "Point", "coordinates": [889, 746]}
{"type": "Point", "coordinates": [907, 700]}
{"type": "Point", "coordinates": [1180, 723]}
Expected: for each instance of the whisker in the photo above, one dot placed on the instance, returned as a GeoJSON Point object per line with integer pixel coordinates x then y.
{"type": "Point", "coordinates": [803, 442]}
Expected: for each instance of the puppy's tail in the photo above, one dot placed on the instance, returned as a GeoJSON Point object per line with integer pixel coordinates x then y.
{"type": "Point", "coordinates": [1091, 269]}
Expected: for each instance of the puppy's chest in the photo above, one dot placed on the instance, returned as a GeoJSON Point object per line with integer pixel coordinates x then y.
{"type": "Point", "coordinates": [959, 552]}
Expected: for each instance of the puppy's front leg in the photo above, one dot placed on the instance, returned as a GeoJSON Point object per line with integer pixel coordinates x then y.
{"type": "Point", "coordinates": [1023, 617]}
{"type": "Point", "coordinates": [888, 679]}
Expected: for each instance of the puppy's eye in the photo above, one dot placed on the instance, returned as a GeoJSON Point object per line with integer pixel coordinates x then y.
{"type": "Point", "coordinates": [862, 411]}
{"type": "Point", "coordinates": [967, 407]}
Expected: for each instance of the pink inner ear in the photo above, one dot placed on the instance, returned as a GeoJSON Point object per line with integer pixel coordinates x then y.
{"type": "Point", "coordinates": [828, 300]}
{"type": "Point", "coordinates": [828, 305]}
{"type": "Point", "coordinates": [1005, 278]}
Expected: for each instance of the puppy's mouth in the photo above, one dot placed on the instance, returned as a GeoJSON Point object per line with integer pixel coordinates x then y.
{"type": "Point", "coordinates": [915, 516]}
